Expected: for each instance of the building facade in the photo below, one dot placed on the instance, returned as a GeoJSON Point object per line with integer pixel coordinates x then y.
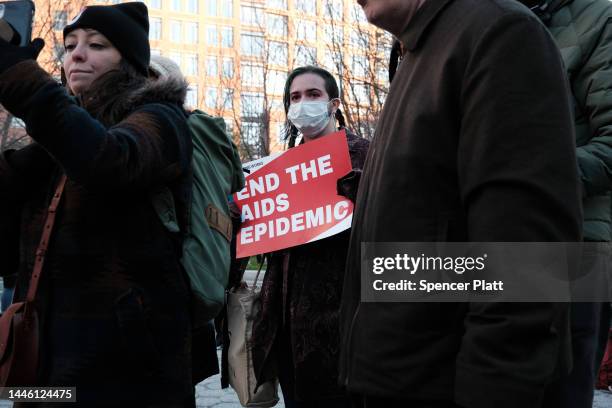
{"type": "Point", "coordinates": [236, 55]}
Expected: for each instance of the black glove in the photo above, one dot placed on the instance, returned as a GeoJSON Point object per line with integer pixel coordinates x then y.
{"type": "Point", "coordinates": [12, 55]}
{"type": "Point", "coordinates": [348, 184]}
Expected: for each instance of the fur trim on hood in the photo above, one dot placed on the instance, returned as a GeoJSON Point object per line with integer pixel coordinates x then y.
{"type": "Point", "coordinates": [170, 90]}
{"type": "Point", "coordinates": [162, 89]}
{"type": "Point", "coordinates": [119, 94]}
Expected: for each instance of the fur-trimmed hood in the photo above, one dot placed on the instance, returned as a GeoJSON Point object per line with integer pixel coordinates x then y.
{"type": "Point", "coordinates": [155, 90]}
{"type": "Point", "coordinates": [118, 98]}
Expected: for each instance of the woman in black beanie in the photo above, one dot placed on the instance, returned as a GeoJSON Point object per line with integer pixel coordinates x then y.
{"type": "Point", "coordinates": [113, 300]}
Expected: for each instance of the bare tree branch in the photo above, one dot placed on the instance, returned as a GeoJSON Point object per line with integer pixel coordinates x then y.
{"type": "Point", "coordinates": [359, 60]}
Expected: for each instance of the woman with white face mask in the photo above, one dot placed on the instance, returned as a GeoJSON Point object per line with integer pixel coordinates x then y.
{"type": "Point", "coordinates": [297, 328]}
{"type": "Point", "coordinates": [311, 103]}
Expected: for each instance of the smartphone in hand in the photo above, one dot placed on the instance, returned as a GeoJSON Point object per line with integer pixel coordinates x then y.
{"type": "Point", "coordinates": [19, 14]}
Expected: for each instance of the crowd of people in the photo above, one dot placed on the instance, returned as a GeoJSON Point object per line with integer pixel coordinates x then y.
{"type": "Point", "coordinates": [497, 128]}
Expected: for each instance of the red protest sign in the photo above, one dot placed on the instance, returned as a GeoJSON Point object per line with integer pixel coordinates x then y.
{"type": "Point", "coordinates": [291, 199]}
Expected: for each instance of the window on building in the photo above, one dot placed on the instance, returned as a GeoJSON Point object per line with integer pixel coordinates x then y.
{"type": "Point", "coordinates": [175, 5]}
{"type": "Point", "coordinates": [252, 16]}
{"type": "Point", "coordinates": [306, 30]}
{"type": "Point", "coordinates": [229, 127]}
{"type": "Point", "coordinates": [252, 104]}
{"type": "Point", "coordinates": [60, 20]}
{"type": "Point", "coordinates": [357, 14]}
{"type": "Point", "coordinates": [277, 25]}
{"type": "Point", "coordinates": [384, 44]}
{"type": "Point", "coordinates": [332, 61]}
{"type": "Point", "coordinates": [227, 8]}
{"type": "Point", "coordinates": [154, 4]}
{"type": "Point", "coordinates": [191, 6]}
{"type": "Point", "coordinates": [155, 29]}
{"type": "Point", "coordinates": [334, 33]}
{"type": "Point", "coordinates": [382, 74]}
{"type": "Point", "coordinates": [250, 132]}
{"type": "Point", "coordinates": [277, 53]}
{"type": "Point", "coordinates": [251, 44]}
{"type": "Point", "coordinates": [305, 55]}
{"type": "Point", "coordinates": [276, 105]}
{"type": "Point", "coordinates": [176, 57]}
{"type": "Point", "coordinates": [191, 100]}
{"type": "Point", "coordinates": [211, 98]}
{"type": "Point", "coordinates": [211, 36]}
{"type": "Point", "coordinates": [280, 132]}
{"type": "Point", "coordinates": [333, 9]}
{"type": "Point", "coordinates": [277, 4]}
{"type": "Point", "coordinates": [211, 7]}
{"type": "Point", "coordinates": [275, 82]}
{"type": "Point", "coordinates": [227, 37]}
{"type": "Point", "coordinates": [176, 30]}
{"type": "Point", "coordinates": [359, 65]}
{"type": "Point", "coordinates": [211, 66]}
{"type": "Point", "coordinates": [191, 64]}
{"type": "Point", "coordinates": [191, 32]}
{"type": "Point", "coordinates": [360, 38]}
{"type": "Point", "coordinates": [251, 74]}
{"type": "Point", "coordinates": [59, 51]}
{"type": "Point", "coordinates": [228, 68]}
{"type": "Point", "coordinates": [362, 94]}
{"type": "Point", "coordinates": [306, 6]}
{"type": "Point", "coordinates": [228, 99]}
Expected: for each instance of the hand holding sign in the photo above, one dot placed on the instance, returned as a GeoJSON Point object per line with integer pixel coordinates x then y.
{"type": "Point", "coordinates": [291, 199]}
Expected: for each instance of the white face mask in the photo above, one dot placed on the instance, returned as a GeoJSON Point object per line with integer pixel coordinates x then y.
{"type": "Point", "coordinates": [311, 117]}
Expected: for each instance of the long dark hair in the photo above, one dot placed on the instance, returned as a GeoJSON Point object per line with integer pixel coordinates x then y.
{"type": "Point", "coordinates": [331, 87]}
{"type": "Point", "coordinates": [107, 97]}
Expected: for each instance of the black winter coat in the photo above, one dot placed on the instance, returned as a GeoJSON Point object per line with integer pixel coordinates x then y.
{"type": "Point", "coordinates": [296, 330]}
{"type": "Point", "coordinates": [113, 297]}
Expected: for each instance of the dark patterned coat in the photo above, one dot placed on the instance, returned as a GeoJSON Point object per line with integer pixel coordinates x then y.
{"type": "Point", "coordinates": [298, 323]}
{"type": "Point", "coordinates": [113, 299]}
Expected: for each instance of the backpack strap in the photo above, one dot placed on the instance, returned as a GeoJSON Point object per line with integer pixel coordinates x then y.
{"type": "Point", "coordinates": [219, 221]}
{"type": "Point", "coordinates": [163, 202]}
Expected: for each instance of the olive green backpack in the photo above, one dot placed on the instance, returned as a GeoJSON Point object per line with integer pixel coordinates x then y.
{"type": "Point", "coordinates": [217, 173]}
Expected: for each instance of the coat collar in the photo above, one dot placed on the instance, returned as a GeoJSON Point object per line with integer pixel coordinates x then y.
{"type": "Point", "coordinates": [552, 5]}
{"type": "Point", "coordinates": [557, 4]}
{"type": "Point", "coordinates": [416, 31]}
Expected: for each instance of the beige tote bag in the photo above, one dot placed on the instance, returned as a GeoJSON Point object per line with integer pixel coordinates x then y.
{"type": "Point", "coordinates": [242, 307]}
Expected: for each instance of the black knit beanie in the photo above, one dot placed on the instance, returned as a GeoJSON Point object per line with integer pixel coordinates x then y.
{"type": "Point", "coordinates": [125, 25]}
